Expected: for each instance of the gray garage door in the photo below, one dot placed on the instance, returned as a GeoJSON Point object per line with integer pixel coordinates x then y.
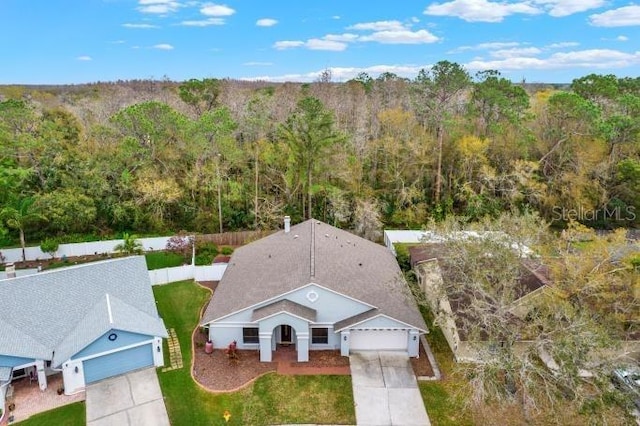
{"type": "Point", "coordinates": [118, 363]}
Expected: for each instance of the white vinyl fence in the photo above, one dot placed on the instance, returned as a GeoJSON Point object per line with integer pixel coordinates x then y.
{"type": "Point", "coordinates": [81, 249]}
{"type": "Point", "coordinates": [187, 272]}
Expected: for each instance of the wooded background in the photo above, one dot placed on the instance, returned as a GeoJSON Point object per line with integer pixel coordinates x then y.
{"type": "Point", "coordinates": [222, 155]}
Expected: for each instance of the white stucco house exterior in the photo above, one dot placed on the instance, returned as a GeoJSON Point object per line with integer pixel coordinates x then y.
{"type": "Point", "coordinates": [87, 322]}
{"type": "Point", "coordinates": [316, 287]}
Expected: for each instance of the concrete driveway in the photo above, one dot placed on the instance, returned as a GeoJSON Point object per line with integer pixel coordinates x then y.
{"type": "Point", "coordinates": [385, 390]}
{"type": "Point", "coordinates": [130, 399]}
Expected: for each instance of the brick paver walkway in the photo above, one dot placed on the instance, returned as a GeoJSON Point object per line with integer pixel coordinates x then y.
{"type": "Point", "coordinates": [175, 355]}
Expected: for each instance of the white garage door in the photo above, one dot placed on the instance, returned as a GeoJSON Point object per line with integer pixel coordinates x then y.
{"type": "Point", "coordinates": [375, 340]}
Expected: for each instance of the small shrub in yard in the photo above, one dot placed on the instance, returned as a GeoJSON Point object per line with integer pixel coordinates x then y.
{"type": "Point", "coordinates": [205, 253]}
{"type": "Point", "coordinates": [50, 246]}
{"type": "Point", "coordinates": [227, 251]}
{"type": "Point", "coordinates": [180, 244]}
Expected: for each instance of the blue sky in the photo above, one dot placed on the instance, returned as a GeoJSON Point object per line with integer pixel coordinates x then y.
{"type": "Point", "coordinates": [74, 41]}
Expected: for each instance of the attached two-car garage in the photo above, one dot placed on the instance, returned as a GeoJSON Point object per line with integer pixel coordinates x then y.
{"type": "Point", "coordinates": [116, 363]}
{"type": "Point", "coordinates": [378, 340]}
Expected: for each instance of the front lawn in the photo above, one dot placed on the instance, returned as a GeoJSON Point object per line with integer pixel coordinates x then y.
{"type": "Point", "coordinates": [68, 415]}
{"type": "Point", "coordinates": [272, 399]}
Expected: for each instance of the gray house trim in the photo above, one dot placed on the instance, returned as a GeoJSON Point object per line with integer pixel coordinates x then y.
{"type": "Point", "coordinates": [275, 298]}
{"type": "Point", "coordinates": [363, 320]}
{"type": "Point", "coordinates": [287, 306]}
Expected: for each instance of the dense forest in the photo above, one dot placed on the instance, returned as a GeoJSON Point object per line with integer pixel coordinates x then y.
{"type": "Point", "coordinates": [218, 155]}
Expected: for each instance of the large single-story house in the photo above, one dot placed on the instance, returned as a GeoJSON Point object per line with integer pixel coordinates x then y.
{"type": "Point", "coordinates": [88, 322]}
{"type": "Point", "coordinates": [316, 287]}
{"type": "Point", "coordinates": [451, 307]}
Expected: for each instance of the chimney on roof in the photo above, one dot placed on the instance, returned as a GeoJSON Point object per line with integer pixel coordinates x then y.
{"type": "Point", "coordinates": [10, 270]}
{"type": "Point", "coordinates": [287, 224]}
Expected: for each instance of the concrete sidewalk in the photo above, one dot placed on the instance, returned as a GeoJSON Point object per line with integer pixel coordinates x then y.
{"type": "Point", "coordinates": [132, 399]}
{"type": "Point", "coordinates": [385, 390]}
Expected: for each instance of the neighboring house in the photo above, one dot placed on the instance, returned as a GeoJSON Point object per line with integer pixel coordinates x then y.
{"type": "Point", "coordinates": [451, 308]}
{"type": "Point", "coordinates": [316, 287]}
{"type": "Point", "coordinates": [90, 322]}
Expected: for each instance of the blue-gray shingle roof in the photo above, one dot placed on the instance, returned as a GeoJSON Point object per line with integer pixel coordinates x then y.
{"type": "Point", "coordinates": [63, 310]}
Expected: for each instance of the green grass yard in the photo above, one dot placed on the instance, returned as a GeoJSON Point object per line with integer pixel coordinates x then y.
{"type": "Point", "coordinates": [272, 399]}
{"type": "Point", "coordinates": [69, 415]}
{"type": "Point", "coordinates": [162, 259]}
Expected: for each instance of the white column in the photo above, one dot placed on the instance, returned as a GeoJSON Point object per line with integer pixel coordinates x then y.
{"type": "Point", "coordinates": [265, 346]}
{"type": "Point", "coordinates": [42, 377]}
{"type": "Point", "coordinates": [73, 376]}
{"type": "Point", "coordinates": [158, 356]}
{"type": "Point", "coordinates": [302, 346]}
{"type": "Point", "coordinates": [344, 342]}
{"type": "Point", "coordinates": [414, 343]}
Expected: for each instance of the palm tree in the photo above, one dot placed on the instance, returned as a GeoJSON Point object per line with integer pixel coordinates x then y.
{"type": "Point", "coordinates": [19, 217]}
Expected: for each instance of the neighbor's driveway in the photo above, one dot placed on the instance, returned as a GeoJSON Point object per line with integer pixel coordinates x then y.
{"type": "Point", "coordinates": [385, 390]}
{"type": "Point", "coordinates": [132, 399]}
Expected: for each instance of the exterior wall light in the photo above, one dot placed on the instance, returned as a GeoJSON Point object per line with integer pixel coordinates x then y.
{"type": "Point", "coordinates": [345, 338]}
{"type": "Point", "coordinates": [76, 369]}
{"type": "Point", "coordinates": [158, 348]}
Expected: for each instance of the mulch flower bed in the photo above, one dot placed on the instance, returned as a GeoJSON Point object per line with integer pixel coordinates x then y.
{"type": "Point", "coordinates": [217, 372]}
{"type": "Point", "coordinates": [421, 365]}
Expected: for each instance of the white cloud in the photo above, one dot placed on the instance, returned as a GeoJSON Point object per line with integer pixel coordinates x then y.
{"type": "Point", "coordinates": [312, 44]}
{"type": "Point", "coordinates": [118, 42]}
{"type": "Point", "coordinates": [486, 46]}
{"type": "Point", "coordinates": [322, 44]}
{"type": "Point", "coordinates": [147, 2]}
{"type": "Point", "coordinates": [266, 22]}
{"type": "Point", "coordinates": [622, 38]}
{"type": "Point", "coordinates": [559, 8]}
{"type": "Point", "coordinates": [160, 7]}
{"type": "Point", "coordinates": [401, 37]}
{"type": "Point", "coordinates": [627, 16]}
{"type": "Point", "coordinates": [288, 44]}
{"type": "Point", "coordinates": [591, 58]}
{"type": "Point", "coordinates": [480, 10]}
{"type": "Point", "coordinates": [378, 26]}
{"type": "Point", "coordinates": [163, 46]}
{"type": "Point", "coordinates": [84, 58]}
{"type": "Point", "coordinates": [212, 9]}
{"type": "Point", "coordinates": [257, 64]}
{"type": "Point", "coordinates": [140, 26]}
{"type": "Point", "coordinates": [203, 22]}
{"type": "Point", "coordinates": [515, 52]}
{"type": "Point", "coordinates": [335, 17]}
{"type": "Point", "coordinates": [346, 37]}
{"type": "Point", "coordinates": [563, 44]}
{"type": "Point", "coordinates": [346, 73]}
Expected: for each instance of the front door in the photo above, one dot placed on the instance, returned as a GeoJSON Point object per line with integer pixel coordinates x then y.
{"type": "Point", "coordinates": [285, 334]}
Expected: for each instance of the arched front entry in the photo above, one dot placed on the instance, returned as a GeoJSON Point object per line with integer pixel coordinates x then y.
{"type": "Point", "coordinates": [286, 329]}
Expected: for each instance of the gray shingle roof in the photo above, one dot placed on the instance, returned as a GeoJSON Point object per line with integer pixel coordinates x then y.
{"type": "Point", "coordinates": [286, 306]}
{"type": "Point", "coordinates": [63, 309]}
{"type": "Point", "coordinates": [315, 252]}
{"type": "Point", "coordinates": [355, 319]}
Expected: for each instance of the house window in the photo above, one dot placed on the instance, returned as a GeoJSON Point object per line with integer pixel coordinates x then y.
{"type": "Point", "coordinates": [250, 335]}
{"type": "Point", "coordinates": [320, 335]}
